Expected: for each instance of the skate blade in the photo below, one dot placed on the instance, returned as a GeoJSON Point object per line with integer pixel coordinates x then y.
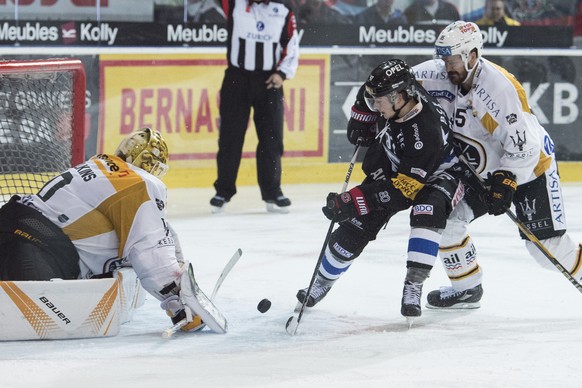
{"type": "Point", "coordinates": [410, 321]}
{"type": "Point", "coordinates": [458, 306]}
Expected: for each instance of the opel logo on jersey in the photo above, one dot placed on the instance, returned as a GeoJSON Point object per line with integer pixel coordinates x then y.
{"type": "Point", "coordinates": [260, 26]}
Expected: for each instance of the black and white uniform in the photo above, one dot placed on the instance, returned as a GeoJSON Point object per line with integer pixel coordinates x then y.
{"type": "Point", "coordinates": [262, 40]}
{"type": "Point", "coordinates": [408, 163]}
{"type": "Point", "coordinates": [495, 129]}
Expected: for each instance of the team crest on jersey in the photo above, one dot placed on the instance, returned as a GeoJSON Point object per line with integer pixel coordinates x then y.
{"type": "Point", "coordinates": [160, 204]}
{"type": "Point", "coordinates": [511, 118]}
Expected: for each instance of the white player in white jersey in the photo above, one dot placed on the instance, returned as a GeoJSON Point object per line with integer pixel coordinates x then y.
{"type": "Point", "coordinates": [106, 213]}
{"type": "Point", "coordinates": [499, 135]}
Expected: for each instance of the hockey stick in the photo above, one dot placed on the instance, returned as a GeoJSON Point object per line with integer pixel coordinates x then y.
{"type": "Point", "coordinates": [233, 260]}
{"type": "Point", "coordinates": [526, 232]}
{"type": "Point", "coordinates": [226, 270]}
{"type": "Point", "coordinates": [294, 320]}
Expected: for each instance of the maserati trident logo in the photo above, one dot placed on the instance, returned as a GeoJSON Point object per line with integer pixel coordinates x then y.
{"type": "Point", "coordinates": [518, 141]}
{"type": "Point", "coordinates": [528, 210]}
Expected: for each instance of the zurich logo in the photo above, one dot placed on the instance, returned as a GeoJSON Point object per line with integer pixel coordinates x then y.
{"type": "Point", "coordinates": [260, 26]}
{"type": "Point", "coordinates": [548, 145]}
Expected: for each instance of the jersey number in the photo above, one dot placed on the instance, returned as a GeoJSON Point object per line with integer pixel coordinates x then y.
{"type": "Point", "coordinates": [460, 117]}
{"type": "Point", "coordinates": [51, 187]}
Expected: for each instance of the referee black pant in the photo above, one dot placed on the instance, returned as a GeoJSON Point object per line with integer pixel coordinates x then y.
{"type": "Point", "coordinates": [242, 90]}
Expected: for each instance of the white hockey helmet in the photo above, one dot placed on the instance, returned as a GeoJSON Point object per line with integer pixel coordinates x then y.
{"type": "Point", "coordinates": [147, 150]}
{"type": "Point", "coordinates": [459, 38]}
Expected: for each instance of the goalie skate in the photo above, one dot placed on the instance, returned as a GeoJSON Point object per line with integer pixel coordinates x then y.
{"type": "Point", "coordinates": [203, 306]}
{"type": "Point", "coordinates": [449, 298]}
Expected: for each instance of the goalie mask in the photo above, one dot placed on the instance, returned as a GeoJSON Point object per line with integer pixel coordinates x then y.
{"type": "Point", "coordinates": [147, 150]}
{"type": "Point", "coordinates": [388, 79]}
{"type": "Point", "coordinates": [459, 38]}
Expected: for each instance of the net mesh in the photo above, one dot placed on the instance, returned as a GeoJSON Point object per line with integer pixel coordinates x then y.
{"type": "Point", "coordinates": [36, 129]}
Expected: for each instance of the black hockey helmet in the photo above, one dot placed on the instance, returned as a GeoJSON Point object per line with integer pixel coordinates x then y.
{"type": "Point", "coordinates": [391, 76]}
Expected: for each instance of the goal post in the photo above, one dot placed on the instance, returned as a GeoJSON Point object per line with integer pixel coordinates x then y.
{"type": "Point", "coordinates": [42, 122]}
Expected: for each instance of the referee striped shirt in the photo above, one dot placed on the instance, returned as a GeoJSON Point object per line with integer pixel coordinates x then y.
{"type": "Point", "coordinates": [262, 36]}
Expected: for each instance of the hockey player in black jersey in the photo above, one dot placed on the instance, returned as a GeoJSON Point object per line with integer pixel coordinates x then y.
{"type": "Point", "coordinates": [409, 152]}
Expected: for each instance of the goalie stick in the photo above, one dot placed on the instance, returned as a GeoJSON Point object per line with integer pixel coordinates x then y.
{"type": "Point", "coordinates": [526, 232]}
{"type": "Point", "coordinates": [226, 270]}
{"type": "Point", "coordinates": [294, 320]}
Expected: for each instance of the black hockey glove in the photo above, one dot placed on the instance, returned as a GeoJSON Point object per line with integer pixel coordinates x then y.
{"type": "Point", "coordinates": [359, 201]}
{"type": "Point", "coordinates": [502, 187]}
{"type": "Point", "coordinates": [362, 127]}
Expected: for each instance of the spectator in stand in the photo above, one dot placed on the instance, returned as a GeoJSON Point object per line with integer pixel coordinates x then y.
{"type": "Point", "coordinates": [205, 11]}
{"type": "Point", "coordinates": [431, 12]}
{"type": "Point", "coordinates": [543, 12]}
{"type": "Point", "coordinates": [381, 13]}
{"type": "Point", "coordinates": [319, 12]}
{"type": "Point", "coordinates": [495, 15]}
{"type": "Point", "coordinates": [348, 7]}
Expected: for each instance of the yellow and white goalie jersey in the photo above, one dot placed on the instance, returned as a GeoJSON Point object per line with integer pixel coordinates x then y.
{"type": "Point", "coordinates": [493, 123]}
{"type": "Point", "coordinates": [114, 213]}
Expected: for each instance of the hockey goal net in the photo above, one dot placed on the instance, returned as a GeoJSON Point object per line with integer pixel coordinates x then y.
{"type": "Point", "coordinates": [42, 122]}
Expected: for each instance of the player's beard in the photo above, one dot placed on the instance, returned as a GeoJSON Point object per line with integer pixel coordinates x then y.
{"type": "Point", "coordinates": [455, 77]}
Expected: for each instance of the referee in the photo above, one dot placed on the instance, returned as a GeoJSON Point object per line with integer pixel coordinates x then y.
{"type": "Point", "coordinates": [262, 52]}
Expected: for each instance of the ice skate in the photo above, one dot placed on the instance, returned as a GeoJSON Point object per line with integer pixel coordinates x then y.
{"type": "Point", "coordinates": [411, 301]}
{"type": "Point", "coordinates": [318, 292]}
{"type": "Point", "coordinates": [449, 298]}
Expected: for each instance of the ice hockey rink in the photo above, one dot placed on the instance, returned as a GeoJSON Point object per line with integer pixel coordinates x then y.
{"type": "Point", "coordinates": [528, 332]}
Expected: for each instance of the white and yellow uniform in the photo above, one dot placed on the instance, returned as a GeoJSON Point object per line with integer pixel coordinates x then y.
{"type": "Point", "coordinates": [496, 130]}
{"type": "Point", "coordinates": [493, 121]}
{"type": "Point", "coordinates": [114, 213]}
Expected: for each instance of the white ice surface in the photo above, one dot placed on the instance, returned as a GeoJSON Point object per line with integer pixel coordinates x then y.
{"type": "Point", "coordinates": [528, 332]}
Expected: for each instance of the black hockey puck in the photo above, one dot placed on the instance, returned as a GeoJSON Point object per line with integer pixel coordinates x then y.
{"type": "Point", "coordinates": [264, 305]}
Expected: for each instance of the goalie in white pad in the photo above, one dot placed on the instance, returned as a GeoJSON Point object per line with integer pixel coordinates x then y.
{"type": "Point", "coordinates": [105, 214]}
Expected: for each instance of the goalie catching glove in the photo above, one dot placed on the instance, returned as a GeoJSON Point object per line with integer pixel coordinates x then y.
{"type": "Point", "coordinates": [502, 187]}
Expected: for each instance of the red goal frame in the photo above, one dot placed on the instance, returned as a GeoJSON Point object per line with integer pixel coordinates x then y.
{"type": "Point", "coordinates": [79, 87]}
